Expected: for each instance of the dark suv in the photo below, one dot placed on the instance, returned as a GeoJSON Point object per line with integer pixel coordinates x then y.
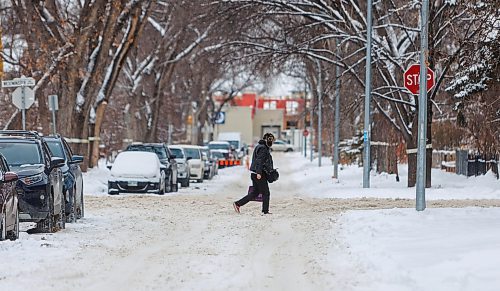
{"type": "Point", "coordinates": [73, 178]}
{"type": "Point", "coordinates": [166, 158]}
{"type": "Point", "coordinates": [40, 184]}
{"type": "Point", "coordinates": [9, 214]}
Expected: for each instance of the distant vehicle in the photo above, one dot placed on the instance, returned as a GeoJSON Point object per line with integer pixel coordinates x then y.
{"type": "Point", "coordinates": [73, 178]}
{"type": "Point", "coordinates": [166, 158]}
{"type": "Point", "coordinates": [40, 179]}
{"type": "Point", "coordinates": [222, 146]}
{"type": "Point", "coordinates": [9, 213]}
{"type": "Point", "coordinates": [195, 160]}
{"type": "Point", "coordinates": [234, 139]}
{"type": "Point", "coordinates": [210, 163]}
{"type": "Point", "coordinates": [281, 146]}
{"type": "Point", "coordinates": [215, 159]}
{"type": "Point", "coordinates": [183, 166]}
{"type": "Point", "coordinates": [137, 172]}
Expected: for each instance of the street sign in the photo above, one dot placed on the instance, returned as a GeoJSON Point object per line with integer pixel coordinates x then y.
{"type": "Point", "coordinates": [18, 82]}
{"type": "Point", "coordinates": [305, 133]}
{"type": "Point", "coordinates": [23, 97]}
{"type": "Point", "coordinates": [220, 118]}
{"type": "Point", "coordinates": [412, 79]}
{"type": "Point", "coordinates": [53, 103]}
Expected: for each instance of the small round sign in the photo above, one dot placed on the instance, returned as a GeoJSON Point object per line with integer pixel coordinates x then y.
{"type": "Point", "coordinates": [306, 132]}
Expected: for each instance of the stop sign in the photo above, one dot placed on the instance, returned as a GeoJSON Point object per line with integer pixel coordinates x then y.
{"type": "Point", "coordinates": [305, 133]}
{"type": "Point", "coordinates": [412, 79]}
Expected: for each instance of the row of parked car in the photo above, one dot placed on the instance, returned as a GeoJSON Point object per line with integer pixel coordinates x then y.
{"type": "Point", "coordinates": [40, 181]}
{"type": "Point", "coordinates": [158, 168]}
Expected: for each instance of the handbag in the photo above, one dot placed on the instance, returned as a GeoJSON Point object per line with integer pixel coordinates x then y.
{"type": "Point", "coordinates": [257, 198]}
{"type": "Point", "coordinates": [272, 176]}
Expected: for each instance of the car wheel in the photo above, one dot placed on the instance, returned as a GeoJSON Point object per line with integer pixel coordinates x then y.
{"type": "Point", "coordinates": [168, 184]}
{"type": "Point", "coordinates": [14, 234]}
{"type": "Point", "coordinates": [175, 187]}
{"type": "Point", "coordinates": [81, 213]}
{"type": "Point", "coordinates": [47, 224]}
{"type": "Point", "coordinates": [61, 216]}
{"type": "Point", "coordinates": [185, 182]}
{"type": "Point", "coordinates": [71, 217]}
{"type": "Point", "coordinates": [161, 190]}
{"type": "Point", "coordinates": [3, 227]}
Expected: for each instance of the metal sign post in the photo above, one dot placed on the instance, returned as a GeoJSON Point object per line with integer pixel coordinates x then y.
{"type": "Point", "coordinates": [368, 83]}
{"type": "Point", "coordinates": [422, 109]}
{"type": "Point", "coordinates": [53, 106]}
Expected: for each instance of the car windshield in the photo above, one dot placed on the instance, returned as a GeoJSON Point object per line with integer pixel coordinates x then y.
{"type": "Point", "coordinates": [56, 148]}
{"type": "Point", "coordinates": [18, 154]}
{"type": "Point", "coordinates": [177, 153]}
{"type": "Point", "coordinates": [192, 153]}
{"type": "Point", "coordinates": [217, 154]}
{"type": "Point", "coordinates": [158, 150]}
{"type": "Point", "coordinates": [234, 143]}
{"type": "Point", "coordinates": [218, 146]}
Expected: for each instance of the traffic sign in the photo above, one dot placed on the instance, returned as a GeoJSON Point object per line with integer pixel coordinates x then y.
{"type": "Point", "coordinates": [53, 103]}
{"type": "Point", "coordinates": [220, 118]}
{"type": "Point", "coordinates": [23, 97]}
{"type": "Point", "coordinates": [18, 82]}
{"type": "Point", "coordinates": [305, 133]}
{"type": "Point", "coordinates": [412, 79]}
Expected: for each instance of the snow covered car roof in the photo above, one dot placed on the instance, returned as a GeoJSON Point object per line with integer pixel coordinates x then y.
{"type": "Point", "coordinates": [136, 165]}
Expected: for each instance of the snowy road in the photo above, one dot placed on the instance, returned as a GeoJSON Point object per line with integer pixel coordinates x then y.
{"type": "Point", "coordinates": [194, 241]}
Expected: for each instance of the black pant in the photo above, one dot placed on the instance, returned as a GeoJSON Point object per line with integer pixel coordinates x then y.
{"type": "Point", "coordinates": [259, 187]}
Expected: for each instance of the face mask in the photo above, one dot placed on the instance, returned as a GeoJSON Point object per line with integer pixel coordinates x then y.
{"type": "Point", "coordinates": [270, 141]}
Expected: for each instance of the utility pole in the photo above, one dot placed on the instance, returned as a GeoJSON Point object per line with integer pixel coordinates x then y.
{"type": "Point", "coordinates": [422, 109]}
{"type": "Point", "coordinates": [368, 83]}
{"type": "Point", "coordinates": [320, 103]}
{"type": "Point", "coordinates": [336, 142]}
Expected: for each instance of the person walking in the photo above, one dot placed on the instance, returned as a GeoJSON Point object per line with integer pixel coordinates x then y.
{"type": "Point", "coordinates": [262, 163]}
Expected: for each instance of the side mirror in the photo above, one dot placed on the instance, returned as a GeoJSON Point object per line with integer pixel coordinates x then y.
{"type": "Point", "coordinates": [109, 166]}
{"type": "Point", "coordinates": [10, 177]}
{"type": "Point", "coordinates": [56, 162]}
{"type": "Point", "coordinates": [173, 156]}
{"type": "Point", "coordinates": [76, 160]}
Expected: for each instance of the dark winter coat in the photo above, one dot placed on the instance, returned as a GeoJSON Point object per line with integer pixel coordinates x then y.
{"type": "Point", "coordinates": [262, 161]}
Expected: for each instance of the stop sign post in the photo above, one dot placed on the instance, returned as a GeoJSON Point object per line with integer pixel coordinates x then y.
{"type": "Point", "coordinates": [412, 79]}
{"type": "Point", "coordinates": [23, 97]}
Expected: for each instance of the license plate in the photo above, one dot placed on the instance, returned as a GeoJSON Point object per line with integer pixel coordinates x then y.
{"type": "Point", "coordinates": [132, 183]}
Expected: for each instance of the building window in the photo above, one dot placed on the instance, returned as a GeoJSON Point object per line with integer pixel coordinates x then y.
{"type": "Point", "coordinates": [269, 104]}
{"type": "Point", "coordinates": [292, 107]}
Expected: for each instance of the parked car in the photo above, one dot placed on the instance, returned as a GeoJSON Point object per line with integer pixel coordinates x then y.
{"type": "Point", "coordinates": [166, 158]}
{"type": "Point", "coordinates": [40, 184]}
{"type": "Point", "coordinates": [137, 172]}
{"type": "Point", "coordinates": [183, 166]}
{"type": "Point", "coordinates": [281, 146]}
{"type": "Point", "coordinates": [9, 214]}
{"type": "Point", "coordinates": [210, 163]}
{"type": "Point", "coordinates": [73, 178]}
{"type": "Point", "coordinates": [195, 160]}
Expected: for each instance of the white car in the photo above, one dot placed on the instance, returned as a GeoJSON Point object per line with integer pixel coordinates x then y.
{"type": "Point", "coordinates": [183, 167]}
{"type": "Point", "coordinates": [137, 172]}
{"type": "Point", "coordinates": [281, 146]}
{"type": "Point", "coordinates": [195, 160]}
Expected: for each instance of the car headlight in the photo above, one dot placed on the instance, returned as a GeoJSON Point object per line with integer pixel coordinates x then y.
{"type": "Point", "coordinates": [32, 179]}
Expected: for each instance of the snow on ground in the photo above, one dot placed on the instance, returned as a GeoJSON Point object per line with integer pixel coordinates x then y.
{"type": "Point", "coordinates": [322, 235]}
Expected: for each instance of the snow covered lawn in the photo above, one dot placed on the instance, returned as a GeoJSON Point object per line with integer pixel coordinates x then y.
{"type": "Point", "coordinates": [323, 235]}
